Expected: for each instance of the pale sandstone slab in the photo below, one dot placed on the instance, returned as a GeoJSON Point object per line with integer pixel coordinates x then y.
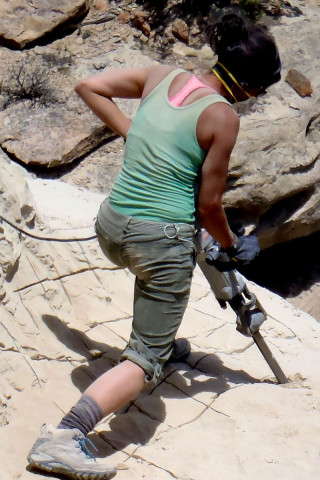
{"type": "Point", "coordinates": [99, 307]}
{"type": "Point", "coordinates": [240, 442]}
{"type": "Point", "coordinates": [201, 387]}
{"type": "Point", "coordinates": [138, 468]}
{"type": "Point", "coordinates": [195, 320]}
{"type": "Point", "coordinates": [163, 405]}
{"type": "Point", "coordinates": [198, 453]}
{"type": "Point", "coordinates": [66, 206]}
{"type": "Point", "coordinates": [120, 327]}
{"type": "Point", "coordinates": [239, 368]}
{"type": "Point", "coordinates": [113, 344]}
{"type": "Point", "coordinates": [127, 431]}
{"type": "Point", "coordinates": [222, 338]}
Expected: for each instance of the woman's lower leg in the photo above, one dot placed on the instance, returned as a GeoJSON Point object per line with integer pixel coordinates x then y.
{"type": "Point", "coordinates": [118, 386]}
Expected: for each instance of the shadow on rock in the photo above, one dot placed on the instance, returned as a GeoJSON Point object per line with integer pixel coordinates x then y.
{"type": "Point", "coordinates": [137, 423]}
{"type": "Point", "coordinates": [100, 356]}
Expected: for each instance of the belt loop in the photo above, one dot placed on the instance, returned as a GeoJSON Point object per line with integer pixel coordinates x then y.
{"type": "Point", "coordinates": [129, 219]}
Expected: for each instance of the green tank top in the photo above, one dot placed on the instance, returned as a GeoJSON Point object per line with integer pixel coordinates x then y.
{"type": "Point", "coordinates": [162, 157]}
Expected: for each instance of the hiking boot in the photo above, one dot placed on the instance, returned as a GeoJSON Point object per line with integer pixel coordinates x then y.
{"type": "Point", "coordinates": [65, 451]}
{"type": "Point", "coordinates": [180, 351]}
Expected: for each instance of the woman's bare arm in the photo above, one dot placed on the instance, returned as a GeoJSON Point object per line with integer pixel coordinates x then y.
{"type": "Point", "coordinates": [211, 213]}
{"type": "Point", "coordinates": [97, 92]}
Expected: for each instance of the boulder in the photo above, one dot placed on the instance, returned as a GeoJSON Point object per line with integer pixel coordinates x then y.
{"type": "Point", "coordinates": [140, 21]}
{"type": "Point", "coordinates": [50, 136]}
{"type": "Point", "coordinates": [53, 126]}
{"type": "Point", "coordinates": [181, 30]}
{"type": "Point", "coordinates": [274, 181]}
{"type": "Point", "coordinates": [299, 82]}
{"type": "Point", "coordinates": [22, 23]}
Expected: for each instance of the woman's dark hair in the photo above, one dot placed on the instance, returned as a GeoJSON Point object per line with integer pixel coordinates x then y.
{"type": "Point", "coordinates": [248, 51]}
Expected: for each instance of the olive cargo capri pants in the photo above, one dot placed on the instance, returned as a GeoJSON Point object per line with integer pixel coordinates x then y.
{"type": "Point", "coordinates": [162, 257]}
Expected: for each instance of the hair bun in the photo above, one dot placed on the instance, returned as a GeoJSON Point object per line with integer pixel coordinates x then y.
{"type": "Point", "coordinates": [228, 32]}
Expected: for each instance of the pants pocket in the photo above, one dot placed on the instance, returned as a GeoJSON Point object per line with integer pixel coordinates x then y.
{"type": "Point", "coordinates": [111, 250]}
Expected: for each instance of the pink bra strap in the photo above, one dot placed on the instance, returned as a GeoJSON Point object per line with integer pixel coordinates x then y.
{"type": "Point", "coordinates": [192, 84]}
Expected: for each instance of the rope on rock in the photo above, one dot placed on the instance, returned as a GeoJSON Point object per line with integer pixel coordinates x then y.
{"type": "Point", "coordinates": [47, 239]}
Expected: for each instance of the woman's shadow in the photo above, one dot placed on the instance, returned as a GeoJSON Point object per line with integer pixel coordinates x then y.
{"type": "Point", "coordinates": [132, 425]}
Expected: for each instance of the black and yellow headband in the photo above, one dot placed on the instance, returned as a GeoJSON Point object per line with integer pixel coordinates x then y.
{"type": "Point", "coordinates": [228, 80]}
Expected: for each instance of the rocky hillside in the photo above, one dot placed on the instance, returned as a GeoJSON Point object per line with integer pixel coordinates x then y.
{"type": "Point", "coordinates": [66, 312]}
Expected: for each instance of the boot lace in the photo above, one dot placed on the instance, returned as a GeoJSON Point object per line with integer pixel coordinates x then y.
{"type": "Point", "coordinates": [83, 443]}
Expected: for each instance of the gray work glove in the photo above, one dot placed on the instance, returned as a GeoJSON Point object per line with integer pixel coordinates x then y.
{"type": "Point", "coordinates": [244, 249]}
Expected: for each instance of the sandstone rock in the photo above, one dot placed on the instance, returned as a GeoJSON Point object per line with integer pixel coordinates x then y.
{"type": "Point", "coordinates": [181, 30]}
{"type": "Point", "coordinates": [312, 3]}
{"type": "Point", "coordinates": [21, 24]}
{"type": "Point", "coordinates": [50, 136]}
{"type": "Point", "coordinates": [140, 21]}
{"type": "Point", "coordinates": [62, 129]}
{"type": "Point", "coordinates": [124, 17]}
{"type": "Point", "coordinates": [16, 206]}
{"type": "Point", "coordinates": [299, 82]}
{"type": "Point", "coordinates": [185, 51]}
{"type": "Point", "coordinates": [273, 7]}
{"type": "Point", "coordinates": [189, 66]}
{"type": "Point", "coordinates": [101, 5]}
{"type": "Point", "coordinates": [275, 169]}
{"type": "Point", "coordinates": [16, 202]}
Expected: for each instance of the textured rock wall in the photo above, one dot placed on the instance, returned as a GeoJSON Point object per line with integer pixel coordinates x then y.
{"type": "Point", "coordinates": [275, 169]}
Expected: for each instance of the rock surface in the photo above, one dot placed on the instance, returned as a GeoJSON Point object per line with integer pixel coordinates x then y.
{"type": "Point", "coordinates": [65, 318]}
{"type": "Point", "coordinates": [24, 22]}
{"type": "Point", "coordinates": [299, 82]}
{"type": "Point", "coordinates": [25, 131]}
{"type": "Point", "coordinates": [274, 175]}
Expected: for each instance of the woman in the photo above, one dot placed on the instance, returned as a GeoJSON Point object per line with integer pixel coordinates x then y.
{"type": "Point", "coordinates": [184, 125]}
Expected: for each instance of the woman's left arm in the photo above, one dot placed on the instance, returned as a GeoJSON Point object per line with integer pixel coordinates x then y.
{"type": "Point", "coordinates": [97, 92]}
{"type": "Point", "coordinates": [223, 123]}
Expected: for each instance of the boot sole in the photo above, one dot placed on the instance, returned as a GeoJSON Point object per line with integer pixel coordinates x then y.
{"type": "Point", "coordinates": [72, 474]}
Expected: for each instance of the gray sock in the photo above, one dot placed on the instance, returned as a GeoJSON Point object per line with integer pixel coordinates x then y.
{"type": "Point", "coordinates": [83, 416]}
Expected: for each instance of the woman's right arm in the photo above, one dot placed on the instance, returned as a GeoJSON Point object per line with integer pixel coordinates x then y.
{"type": "Point", "coordinates": [97, 92]}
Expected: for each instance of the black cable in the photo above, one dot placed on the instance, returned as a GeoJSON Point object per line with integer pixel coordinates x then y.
{"type": "Point", "coordinates": [48, 239]}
